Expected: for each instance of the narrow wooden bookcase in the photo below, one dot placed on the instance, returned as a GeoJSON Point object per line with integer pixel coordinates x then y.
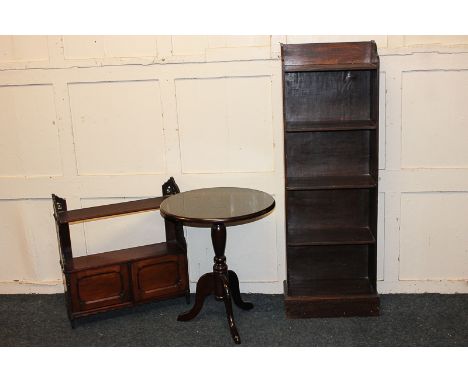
{"type": "Point", "coordinates": [331, 125]}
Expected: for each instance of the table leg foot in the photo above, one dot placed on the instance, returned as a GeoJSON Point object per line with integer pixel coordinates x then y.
{"type": "Point", "coordinates": [205, 287]}
{"type": "Point", "coordinates": [236, 296]}
{"type": "Point", "coordinates": [229, 313]}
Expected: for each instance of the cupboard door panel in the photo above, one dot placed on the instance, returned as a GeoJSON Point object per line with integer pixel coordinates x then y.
{"type": "Point", "coordinates": [159, 277]}
{"type": "Point", "coordinates": [100, 288]}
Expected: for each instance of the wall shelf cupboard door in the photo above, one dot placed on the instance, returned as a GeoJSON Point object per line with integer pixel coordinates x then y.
{"type": "Point", "coordinates": [94, 289]}
{"type": "Point", "coordinates": [159, 277]}
{"type": "Point", "coordinates": [331, 125]}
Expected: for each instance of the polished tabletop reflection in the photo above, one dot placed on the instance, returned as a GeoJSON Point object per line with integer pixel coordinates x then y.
{"type": "Point", "coordinates": [217, 204]}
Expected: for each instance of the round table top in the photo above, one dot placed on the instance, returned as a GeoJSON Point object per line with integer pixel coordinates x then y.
{"type": "Point", "coordinates": [217, 205]}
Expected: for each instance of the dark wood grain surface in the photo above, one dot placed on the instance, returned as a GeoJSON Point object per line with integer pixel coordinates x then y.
{"type": "Point", "coordinates": [343, 153]}
{"type": "Point", "coordinates": [328, 96]}
{"type": "Point", "coordinates": [328, 55]}
{"type": "Point", "coordinates": [320, 209]}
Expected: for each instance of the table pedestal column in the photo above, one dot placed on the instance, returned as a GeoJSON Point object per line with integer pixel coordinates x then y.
{"type": "Point", "coordinates": [222, 283]}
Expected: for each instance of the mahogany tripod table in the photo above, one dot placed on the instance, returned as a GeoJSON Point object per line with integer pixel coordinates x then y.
{"type": "Point", "coordinates": [218, 207]}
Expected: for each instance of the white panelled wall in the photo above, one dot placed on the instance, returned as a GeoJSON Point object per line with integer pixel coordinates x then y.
{"type": "Point", "coordinates": [101, 119]}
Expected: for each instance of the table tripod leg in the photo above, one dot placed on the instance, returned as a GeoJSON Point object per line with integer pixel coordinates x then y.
{"type": "Point", "coordinates": [235, 291]}
{"type": "Point", "coordinates": [229, 313]}
{"type": "Point", "coordinates": [205, 287]}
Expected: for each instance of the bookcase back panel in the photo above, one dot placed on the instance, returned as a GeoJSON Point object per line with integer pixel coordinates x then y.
{"type": "Point", "coordinates": [333, 262]}
{"type": "Point", "coordinates": [327, 209]}
{"type": "Point", "coordinates": [327, 153]}
{"type": "Point", "coordinates": [328, 96]}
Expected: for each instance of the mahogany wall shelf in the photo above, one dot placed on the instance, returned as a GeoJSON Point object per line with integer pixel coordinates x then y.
{"type": "Point", "coordinates": [331, 99]}
{"type": "Point", "coordinates": [118, 279]}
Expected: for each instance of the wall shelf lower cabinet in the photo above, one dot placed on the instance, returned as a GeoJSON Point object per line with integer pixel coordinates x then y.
{"type": "Point", "coordinates": [330, 95]}
{"type": "Point", "coordinates": [116, 279]}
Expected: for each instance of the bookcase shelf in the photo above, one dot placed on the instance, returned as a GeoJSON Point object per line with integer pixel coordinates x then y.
{"type": "Point", "coordinates": [304, 126]}
{"type": "Point", "coordinates": [334, 288]}
{"type": "Point", "coordinates": [330, 96]}
{"type": "Point", "coordinates": [330, 236]}
{"type": "Point", "coordinates": [324, 182]}
{"type": "Point", "coordinates": [329, 67]}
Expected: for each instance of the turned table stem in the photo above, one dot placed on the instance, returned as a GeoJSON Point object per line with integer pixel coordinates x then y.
{"type": "Point", "coordinates": [218, 238]}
